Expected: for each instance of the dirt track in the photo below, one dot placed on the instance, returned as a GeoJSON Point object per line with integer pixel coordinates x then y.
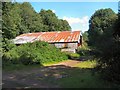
{"type": "Point", "coordinates": [35, 77]}
{"type": "Point", "coordinates": [69, 63]}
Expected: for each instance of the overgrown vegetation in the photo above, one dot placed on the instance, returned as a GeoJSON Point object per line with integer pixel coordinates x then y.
{"type": "Point", "coordinates": [72, 55]}
{"type": "Point", "coordinates": [84, 50]}
{"type": "Point", "coordinates": [19, 18]}
{"type": "Point", "coordinates": [104, 39]}
{"type": "Point", "coordinates": [33, 53]}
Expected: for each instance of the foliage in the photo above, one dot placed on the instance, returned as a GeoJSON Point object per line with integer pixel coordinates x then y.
{"type": "Point", "coordinates": [100, 22]}
{"type": "Point", "coordinates": [85, 39]}
{"type": "Point", "coordinates": [109, 62]}
{"type": "Point", "coordinates": [7, 45]}
{"type": "Point", "coordinates": [73, 55]}
{"type": "Point", "coordinates": [51, 20]}
{"type": "Point", "coordinates": [34, 53]}
{"type": "Point", "coordinates": [104, 38]}
{"type": "Point", "coordinates": [11, 19]}
{"type": "Point", "coordinates": [84, 50]}
{"type": "Point", "coordinates": [19, 18]}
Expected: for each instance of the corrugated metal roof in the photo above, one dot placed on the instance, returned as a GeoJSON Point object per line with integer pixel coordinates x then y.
{"type": "Point", "coordinates": [63, 36]}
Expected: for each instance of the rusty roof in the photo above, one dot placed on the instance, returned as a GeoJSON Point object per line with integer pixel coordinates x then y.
{"type": "Point", "coordinates": [51, 37]}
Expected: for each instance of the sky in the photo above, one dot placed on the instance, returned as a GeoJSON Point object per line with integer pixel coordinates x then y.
{"type": "Point", "coordinates": [76, 13]}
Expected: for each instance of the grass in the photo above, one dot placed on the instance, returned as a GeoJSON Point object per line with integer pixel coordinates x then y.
{"type": "Point", "coordinates": [83, 79]}
{"type": "Point", "coordinates": [82, 76]}
{"type": "Point", "coordinates": [15, 67]}
{"type": "Point", "coordinates": [86, 64]}
{"type": "Point", "coordinates": [79, 76]}
{"type": "Point", "coordinates": [73, 55]}
{"type": "Point", "coordinates": [51, 63]}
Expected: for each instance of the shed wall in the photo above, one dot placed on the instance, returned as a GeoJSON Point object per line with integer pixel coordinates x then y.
{"type": "Point", "coordinates": [67, 45]}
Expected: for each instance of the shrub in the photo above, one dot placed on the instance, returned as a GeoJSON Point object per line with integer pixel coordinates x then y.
{"type": "Point", "coordinates": [32, 53]}
{"type": "Point", "coordinates": [7, 45]}
{"type": "Point", "coordinates": [73, 55]}
{"type": "Point", "coordinates": [83, 51]}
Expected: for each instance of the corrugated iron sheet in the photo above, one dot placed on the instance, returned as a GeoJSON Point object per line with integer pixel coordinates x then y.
{"type": "Point", "coordinates": [51, 37]}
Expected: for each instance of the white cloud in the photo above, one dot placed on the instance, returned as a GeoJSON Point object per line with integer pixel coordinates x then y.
{"type": "Point", "coordinates": [73, 20]}
{"type": "Point", "coordinates": [78, 23]}
{"type": "Point", "coordinates": [53, 11]}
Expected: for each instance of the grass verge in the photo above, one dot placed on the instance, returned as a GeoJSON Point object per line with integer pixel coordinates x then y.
{"type": "Point", "coordinates": [86, 64]}
{"type": "Point", "coordinates": [80, 76]}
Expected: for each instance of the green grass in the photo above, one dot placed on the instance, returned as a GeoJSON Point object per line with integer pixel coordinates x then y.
{"type": "Point", "coordinates": [73, 55]}
{"type": "Point", "coordinates": [80, 76]}
{"type": "Point", "coordinates": [83, 79]}
{"type": "Point", "coordinates": [86, 64]}
{"type": "Point", "coordinates": [15, 67]}
{"type": "Point", "coordinates": [51, 63]}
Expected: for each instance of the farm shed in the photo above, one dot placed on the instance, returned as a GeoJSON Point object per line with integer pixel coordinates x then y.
{"type": "Point", "coordinates": [66, 40]}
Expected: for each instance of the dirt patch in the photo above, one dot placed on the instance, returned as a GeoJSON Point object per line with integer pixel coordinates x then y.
{"type": "Point", "coordinates": [37, 77]}
{"type": "Point", "coordinates": [70, 63]}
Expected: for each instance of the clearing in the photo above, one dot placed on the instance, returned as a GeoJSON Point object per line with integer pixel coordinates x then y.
{"type": "Point", "coordinates": [66, 74]}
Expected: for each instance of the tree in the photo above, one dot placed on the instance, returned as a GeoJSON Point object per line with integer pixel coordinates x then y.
{"type": "Point", "coordinates": [19, 18]}
{"type": "Point", "coordinates": [11, 21]}
{"type": "Point", "coordinates": [117, 27]}
{"type": "Point", "coordinates": [27, 14]}
{"type": "Point", "coordinates": [100, 22]}
{"type": "Point", "coordinates": [103, 31]}
{"type": "Point", "coordinates": [64, 25]}
{"type": "Point", "coordinates": [51, 20]}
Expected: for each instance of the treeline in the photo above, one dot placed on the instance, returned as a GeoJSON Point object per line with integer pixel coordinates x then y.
{"type": "Point", "coordinates": [104, 40]}
{"type": "Point", "coordinates": [19, 18]}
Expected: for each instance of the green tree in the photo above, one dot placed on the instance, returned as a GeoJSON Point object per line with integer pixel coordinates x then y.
{"type": "Point", "coordinates": [11, 19]}
{"type": "Point", "coordinates": [19, 18]}
{"type": "Point", "coordinates": [100, 22]}
{"type": "Point", "coordinates": [31, 21]}
{"type": "Point", "coordinates": [27, 14]}
{"type": "Point", "coordinates": [85, 39]}
{"type": "Point", "coordinates": [64, 25]}
{"type": "Point", "coordinates": [104, 37]}
{"type": "Point", "coordinates": [51, 20]}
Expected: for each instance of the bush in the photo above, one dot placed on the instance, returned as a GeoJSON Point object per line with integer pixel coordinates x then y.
{"type": "Point", "coordinates": [83, 51]}
{"type": "Point", "coordinates": [34, 53]}
{"type": "Point", "coordinates": [73, 55]}
{"type": "Point", "coordinates": [109, 62]}
{"type": "Point", "coordinates": [7, 45]}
